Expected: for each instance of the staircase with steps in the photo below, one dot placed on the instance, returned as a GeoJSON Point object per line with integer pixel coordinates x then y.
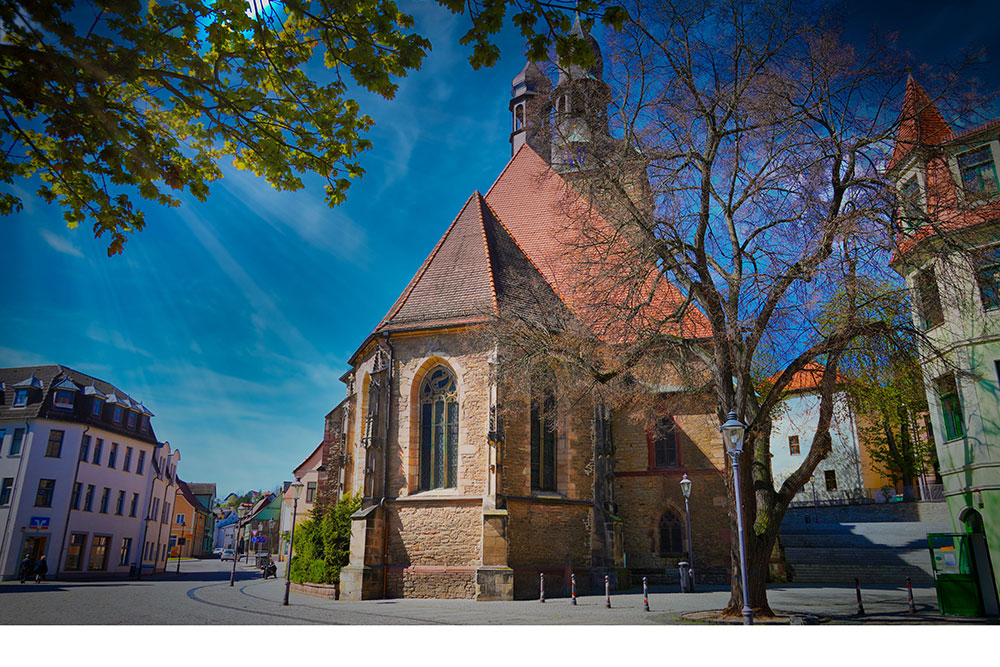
{"type": "Point", "coordinates": [878, 544]}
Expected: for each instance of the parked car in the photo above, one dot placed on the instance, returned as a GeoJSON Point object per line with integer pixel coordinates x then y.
{"type": "Point", "coordinates": [228, 554]}
{"type": "Point", "coordinates": [217, 551]}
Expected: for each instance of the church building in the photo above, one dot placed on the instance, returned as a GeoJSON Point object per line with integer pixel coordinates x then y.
{"type": "Point", "coordinates": [459, 503]}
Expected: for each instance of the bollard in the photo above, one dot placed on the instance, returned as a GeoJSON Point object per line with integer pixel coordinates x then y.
{"type": "Point", "coordinates": [607, 592]}
{"type": "Point", "coordinates": [645, 595]}
{"type": "Point", "coordinates": [909, 596]}
{"type": "Point", "coordinates": [857, 589]}
{"type": "Point", "coordinates": [572, 588]}
{"type": "Point", "coordinates": [541, 587]}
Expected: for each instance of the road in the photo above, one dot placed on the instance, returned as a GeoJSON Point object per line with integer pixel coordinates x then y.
{"type": "Point", "coordinates": [201, 595]}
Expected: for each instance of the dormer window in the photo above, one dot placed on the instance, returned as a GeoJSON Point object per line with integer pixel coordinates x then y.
{"type": "Point", "coordinates": [97, 407]}
{"type": "Point", "coordinates": [978, 171]}
{"type": "Point", "coordinates": [144, 424]}
{"type": "Point", "coordinates": [63, 399]}
{"type": "Point", "coordinates": [911, 203]}
{"type": "Point", "coordinates": [20, 398]}
{"type": "Point", "coordinates": [131, 419]}
{"type": "Point", "coordinates": [117, 415]}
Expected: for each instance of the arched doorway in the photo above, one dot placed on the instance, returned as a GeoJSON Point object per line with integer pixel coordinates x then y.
{"type": "Point", "coordinates": [972, 522]}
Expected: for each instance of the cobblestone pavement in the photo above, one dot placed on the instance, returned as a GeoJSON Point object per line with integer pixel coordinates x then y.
{"type": "Point", "coordinates": [201, 595]}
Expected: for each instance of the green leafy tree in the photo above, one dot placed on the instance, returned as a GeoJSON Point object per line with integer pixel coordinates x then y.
{"type": "Point", "coordinates": [104, 100]}
{"type": "Point", "coordinates": [323, 542]}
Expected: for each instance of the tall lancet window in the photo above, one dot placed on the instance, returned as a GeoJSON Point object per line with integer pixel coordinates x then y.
{"type": "Point", "coordinates": [438, 430]}
{"type": "Point", "coordinates": [544, 436]}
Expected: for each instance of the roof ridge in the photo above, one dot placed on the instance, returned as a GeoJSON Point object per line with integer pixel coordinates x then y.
{"type": "Point", "coordinates": [486, 248]}
{"type": "Point", "coordinates": [401, 301]}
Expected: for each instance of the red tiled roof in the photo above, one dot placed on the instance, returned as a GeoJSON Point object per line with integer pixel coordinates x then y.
{"type": "Point", "coordinates": [808, 378]}
{"type": "Point", "coordinates": [920, 124]}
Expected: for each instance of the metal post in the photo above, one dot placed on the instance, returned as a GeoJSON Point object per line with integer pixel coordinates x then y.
{"type": "Point", "coordinates": [232, 577]}
{"type": "Point", "coordinates": [687, 511]}
{"type": "Point", "coordinates": [747, 611]}
{"type": "Point", "coordinates": [572, 588]}
{"type": "Point", "coordinates": [909, 596]}
{"type": "Point", "coordinates": [178, 558]}
{"type": "Point", "coordinates": [291, 549]}
{"type": "Point", "coordinates": [541, 587]}
{"type": "Point", "coordinates": [645, 595]}
{"type": "Point", "coordinates": [857, 590]}
{"type": "Point", "coordinates": [607, 592]}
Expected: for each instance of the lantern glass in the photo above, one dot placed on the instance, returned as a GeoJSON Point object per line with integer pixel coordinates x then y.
{"type": "Point", "coordinates": [732, 433]}
{"type": "Point", "coordinates": [296, 488]}
{"type": "Point", "coordinates": [686, 486]}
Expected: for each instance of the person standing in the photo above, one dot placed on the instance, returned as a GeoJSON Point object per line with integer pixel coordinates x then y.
{"type": "Point", "coordinates": [41, 569]}
{"type": "Point", "coordinates": [27, 567]}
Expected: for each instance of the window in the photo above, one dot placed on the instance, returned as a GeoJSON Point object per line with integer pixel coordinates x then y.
{"type": "Point", "coordinates": [131, 419]}
{"type": "Point", "coordinates": [831, 479]}
{"type": "Point", "coordinates": [793, 445]}
{"type": "Point", "coordinates": [438, 430]}
{"type": "Point", "coordinates": [105, 497]}
{"type": "Point", "coordinates": [126, 551]}
{"type": "Point", "coordinates": [544, 435]}
{"type": "Point", "coordinates": [166, 513]}
{"type": "Point", "coordinates": [84, 448]}
{"type": "Point", "coordinates": [54, 449]}
{"type": "Point", "coordinates": [117, 415]}
{"type": "Point", "coordinates": [20, 398]}
{"type": "Point", "coordinates": [46, 487]}
{"type": "Point", "coordinates": [5, 490]}
{"type": "Point", "coordinates": [113, 455]}
{"type": "Point", "coordinates": [97, 452]}
{"type": "Point", "coordinates": [120, 505]}
{"type": "Point", "coordinates": [988, 277]}
{"type": "Point", "coordinates": [979, 174]}
{"type": "Point", "coordinates": [135, 504]}
{"type": "Point", "coordinates": [140, 464]}
{"type": "Point", "coordinates": [144, 424]}
{"type": "Point", "coordinates": [951, 406]}
{"type": "Point", "coordinates": [664, 439]}
{"type": "Point", "coordinates": [911, 203]}
{"type": "Point", "coordinates": [153, 511]}
{"type": "Point", "coordinates": [179, 519]}
{"type": "Point", "coordinates": [127, 463]}
{"type": "Point", "coordinates": [928, 299]}
{"type": "Point", "coordinates": [63, 399]}
{"type": "Point", "coordinates": [88, 500]}
{"type": "Point", "coordinates": [310, 492]}
{"type": "Point", "coordinates": [77, 492]}
{"type": "Point", "coordinates": [671, 535]}
{"type": "Point", "coordinates": [3, 434]}
{"type": "Point", "coordinates": [99, 553]}
{"type": "Point", "coordinates": [97, 407]}
{"type": "Point", "coordinates": [15, 441]}
{"type": "Point", "coordinates": [74, 556]}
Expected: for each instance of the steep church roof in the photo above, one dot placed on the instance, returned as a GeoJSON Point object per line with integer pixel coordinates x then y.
{"type": "Point", "coordinates": [920, 123]}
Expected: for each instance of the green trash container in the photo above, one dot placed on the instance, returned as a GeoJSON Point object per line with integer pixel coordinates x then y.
{"type": "Point", "coordinates": [955, 575]}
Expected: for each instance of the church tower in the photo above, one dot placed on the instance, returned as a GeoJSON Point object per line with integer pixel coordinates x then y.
{"type": "Point", "coordinates": [530, 110]}
{"type": "Point", "coordinates": [581, 100]}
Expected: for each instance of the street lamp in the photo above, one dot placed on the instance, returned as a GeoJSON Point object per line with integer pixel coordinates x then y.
{"type": "Point", "coordinates": [732, 435]}
{"type": "Point", "coordinates": [686, 492]}
{"type": "Point", "coordinates": [296, 489]}
{"type": "Point", "coordinates": [240, 511]}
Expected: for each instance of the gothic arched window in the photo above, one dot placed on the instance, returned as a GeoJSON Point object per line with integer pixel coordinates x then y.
{"type": "Point", "coordinates": [438, 430]}
{"type": "Point", "coordinates": [671, 535]}
{"type": "Point", "coordinates": [663, 443]}
{"type": "Point", "coordinates": [518, 117]}
{"type": "Point", "coordinates": [543, 441]}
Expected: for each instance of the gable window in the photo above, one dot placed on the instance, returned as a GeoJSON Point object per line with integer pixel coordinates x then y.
{"type": "Point", "coordinates": [97, 407]}
{"type": "Point", "coordinates": [310, 492]}
{"type": "Point", "coordinates": [117, 415]}
{"type": "Point", "coordinates": [46, 487]}
{"type": "Point", "coordinates": [671, 535]}
{"type": "Point", "coordinates": [988, 277]}
{"type": "Point", "coordinates": [53, 449]}
{"type": "Point", "coordinates": [793, 445]}
{"type": "Point", "coordinates": [439, 430]}
{"type": "Point", "coordinates": [831, 479]}
{"type": "Point", "coordinates": [20, 398]}
{"type": "Point", "coordinates": [928, 299]}
{"type": "Point", "coordinates": [63, 399]}
{"type": "Point", "coordinates": [979, 173]}
{"type": "Point", "coordinates": [127, 463]}
{"type": "Point", "coordinates": [5, 490]}
{"type": "Point", "coordinates": [131, 419]}
{"type": "Point", "coordinates": [544, 436]}
{"type": "Point", "coordinates": [84, 448]}
{"type": "Point", "coordinates": [16, 440]}
{"type": "Point", "coordinates": [97, 452]}
{"type": "Point", "coordinates": [88, 500]}
{"type": "Point", "coordinates": [141, 463]}
{"type": "Point", "coordinates": [113, 455]}
{"type": "Point", "coordinates": [951, 406]}
{"type": "Point", "coordinates": [664, 443]}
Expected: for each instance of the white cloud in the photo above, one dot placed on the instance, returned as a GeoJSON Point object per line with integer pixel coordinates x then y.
{"type": "Point", "coordinates": [61, 244]}
{"type": "Point", "coordinates": [114, 338]}
{"type": "Point", "coordinates": [12, 358]}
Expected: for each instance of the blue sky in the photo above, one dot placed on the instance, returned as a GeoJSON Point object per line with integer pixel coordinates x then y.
{"type": "Point", "coordinates": [233, 319]}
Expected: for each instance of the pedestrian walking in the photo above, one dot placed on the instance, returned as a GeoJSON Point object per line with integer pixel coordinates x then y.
{"type": "Point", "coordinates": [41, 569]}
{"type": "Point", "coordinates": [27, 567]}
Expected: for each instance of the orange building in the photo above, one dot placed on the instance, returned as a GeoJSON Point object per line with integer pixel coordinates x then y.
{"type": "Point", "coordinates": [189, 522]}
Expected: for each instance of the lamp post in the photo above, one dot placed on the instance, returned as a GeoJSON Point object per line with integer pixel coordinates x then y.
{"type": "Point", "coordinates": [686, 492]}
{"type": "Point", "coordinates": [732, 434]}
{"type": "Point", "coordinates": [240, 511]}
{"type": "Point", "coordinates": [296, 489]}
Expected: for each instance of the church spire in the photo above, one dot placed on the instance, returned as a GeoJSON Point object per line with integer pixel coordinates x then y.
{"type": "Point", "coordinates": [529, 110]}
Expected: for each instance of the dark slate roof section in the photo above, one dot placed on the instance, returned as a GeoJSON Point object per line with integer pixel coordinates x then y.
{"type": "Point", "coordinates": [455, 282]}
{"type": "Point", "coordinates": [202, 488]}
{"type": "Point", "coordinates": [41, 393]}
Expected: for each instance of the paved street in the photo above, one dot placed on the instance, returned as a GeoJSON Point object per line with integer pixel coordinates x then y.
{"type": "Point", "coordinates": [201, 595]}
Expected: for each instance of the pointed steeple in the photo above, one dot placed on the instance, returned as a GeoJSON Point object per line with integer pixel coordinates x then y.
{"type": "Point", "coordinates": [920, 122]}
{"type": "Point", "coordinates": [529, 109]}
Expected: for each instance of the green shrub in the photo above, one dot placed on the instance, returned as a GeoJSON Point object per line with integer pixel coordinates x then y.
{"type": "Point", "coordinates": [323, 542]}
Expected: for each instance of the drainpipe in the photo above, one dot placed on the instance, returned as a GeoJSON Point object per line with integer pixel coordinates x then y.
{"type": "Point", "coordinates": [385, 469]}
{"type": "Point", "coordinates": [18, 482]}
{"type": "Point", "coordinates": [69, 506]}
